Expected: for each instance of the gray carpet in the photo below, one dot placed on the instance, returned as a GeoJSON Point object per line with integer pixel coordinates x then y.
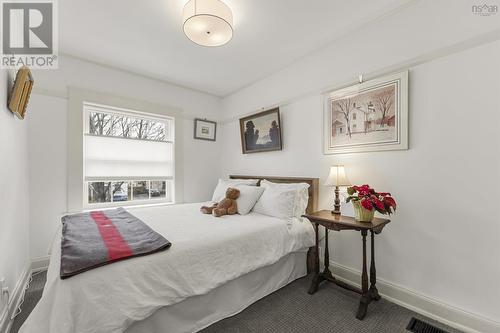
{"type": "Point", "coordinates": [31, 297]}
{"type": "Point", "coordinates": [291, 309]}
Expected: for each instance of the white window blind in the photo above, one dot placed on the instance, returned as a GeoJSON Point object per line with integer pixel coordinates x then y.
{"type": "Point", "coordinates": [114, 158]}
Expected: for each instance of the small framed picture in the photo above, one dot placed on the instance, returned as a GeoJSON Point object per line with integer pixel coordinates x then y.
{"type": "Point", "coordinates": [261, 132]}
{"type": "Point", "coordinates": [205, 129]}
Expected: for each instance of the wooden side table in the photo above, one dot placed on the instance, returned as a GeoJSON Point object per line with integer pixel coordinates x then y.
{"type": "Point", "coordinates": [338, 223]}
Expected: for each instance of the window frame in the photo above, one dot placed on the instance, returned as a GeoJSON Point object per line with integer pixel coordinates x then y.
{"type": "Point", "coordinates": [170, 190]}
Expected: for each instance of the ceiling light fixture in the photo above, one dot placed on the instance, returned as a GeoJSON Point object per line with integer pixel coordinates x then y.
{"type": "Point", "coordinates": [208, 22]}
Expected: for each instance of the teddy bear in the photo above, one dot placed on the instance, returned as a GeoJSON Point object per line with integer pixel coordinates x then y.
{"type": "Point", "coordinates": [226, 206]}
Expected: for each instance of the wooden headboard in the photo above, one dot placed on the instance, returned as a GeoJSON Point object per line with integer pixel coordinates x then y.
{"type": "Point", "coordinates": [312, 205]}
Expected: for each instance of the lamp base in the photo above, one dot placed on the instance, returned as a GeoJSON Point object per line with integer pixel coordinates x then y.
{"type": "Point", "coordinates": [336, 206]}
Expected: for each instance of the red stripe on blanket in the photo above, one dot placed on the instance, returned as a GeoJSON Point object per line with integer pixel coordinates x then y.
{"type": "Point", "coordinates": [116, 245]}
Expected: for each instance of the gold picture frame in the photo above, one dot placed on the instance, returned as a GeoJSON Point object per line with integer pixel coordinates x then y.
{"type": "Point", "coordinates": [20, 94]}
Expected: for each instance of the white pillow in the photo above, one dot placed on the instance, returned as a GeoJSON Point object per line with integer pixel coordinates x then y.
{"type": "Point", "coordinates": [223, 184]}
{"type": "Point", "coordinates": [248, 197]}
{"type": "Point", "coordinates": [283, 200]}
{"type": "Point", "coordinates": [302, 198]}
{"type": "Point", "coordinates": [251, 182]}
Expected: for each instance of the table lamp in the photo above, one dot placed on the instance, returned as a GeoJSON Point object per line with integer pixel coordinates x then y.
{"type": "Point", "coordinates": [337, 178]}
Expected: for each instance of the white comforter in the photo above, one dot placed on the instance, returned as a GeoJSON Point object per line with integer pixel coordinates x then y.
{"type": "Point", "coordinates": [206, 252]}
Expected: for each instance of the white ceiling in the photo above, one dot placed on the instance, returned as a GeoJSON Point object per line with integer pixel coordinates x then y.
{"type": "Point", "coordinates": [146, 37]}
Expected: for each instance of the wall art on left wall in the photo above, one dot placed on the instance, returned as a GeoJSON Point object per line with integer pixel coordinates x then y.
{"type": "Point", "coordinates": [21, 91]}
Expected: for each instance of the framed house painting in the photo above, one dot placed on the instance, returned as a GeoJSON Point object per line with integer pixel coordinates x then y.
{"type": "Point", "coordinates": [205, 129]}
{"type": "Point", "coordinates": [261, 132]}
{"type": "Point", "coordinates": [369, 116]}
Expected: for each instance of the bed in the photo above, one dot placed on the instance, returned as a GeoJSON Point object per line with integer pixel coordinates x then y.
{"type": "Point", "coordinates": [215, 268]}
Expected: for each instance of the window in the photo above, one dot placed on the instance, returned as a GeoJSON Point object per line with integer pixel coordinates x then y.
{"type": "Point", "coordinates": [354, 116]}
{"type": "Point", "coordinates": [354, 127]}
{"type": "Point", "coordinates": [128, 157]}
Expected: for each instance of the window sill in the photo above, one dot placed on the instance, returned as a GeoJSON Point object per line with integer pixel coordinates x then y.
{"type": "Point", "coordinates": [140, 205]}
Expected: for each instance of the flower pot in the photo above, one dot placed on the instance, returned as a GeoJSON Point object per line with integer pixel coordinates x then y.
{"type": "Point", "coordinates": [362, 214]}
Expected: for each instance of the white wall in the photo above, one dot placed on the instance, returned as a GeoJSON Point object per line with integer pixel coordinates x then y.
{"type": "Point", "coordinates": [47, 172]}
{"type": "Point", "coordinates": [14, 193]}
{"type": "Point", "coordinates": [444, 237]}
{"type": "Point", "coordinates": [47, 120]}
{"type": "Point", "coordinates": [424, 28]}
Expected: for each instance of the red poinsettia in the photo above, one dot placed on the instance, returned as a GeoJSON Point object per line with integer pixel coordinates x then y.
{"type": "Point", "coordinates": [382, 202]}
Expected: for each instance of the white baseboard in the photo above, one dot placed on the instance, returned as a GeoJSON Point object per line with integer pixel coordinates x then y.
{"type": "Point", "coordinates": [424, 305]}
{"type": "Point", "coordinates": [15, 298]}
{"type": "Point", "coordinates": [40, 264]}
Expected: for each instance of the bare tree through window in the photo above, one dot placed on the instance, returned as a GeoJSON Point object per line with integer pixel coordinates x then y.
{"type": "Point", "coordinates": [103, 191]}
{"type": "Point", "coordinates": [114, 191]}
{"type": "Point", "coordinates": [126, 127]}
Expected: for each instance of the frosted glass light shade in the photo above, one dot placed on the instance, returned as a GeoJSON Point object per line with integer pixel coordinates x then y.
{"type": "Point", "coordinates": [208, 22]}
{"type": "Point", "coordinates": [337, 177]}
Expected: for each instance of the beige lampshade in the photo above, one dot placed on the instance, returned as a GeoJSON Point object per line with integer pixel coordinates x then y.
{"type": "Point", "coordinates": [337, 177]}
{"type": "Point", "coordinates": [208, 22]}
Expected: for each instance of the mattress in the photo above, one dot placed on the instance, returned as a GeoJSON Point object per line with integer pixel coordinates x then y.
{"type": "Point", "coordinates": [206, 253]}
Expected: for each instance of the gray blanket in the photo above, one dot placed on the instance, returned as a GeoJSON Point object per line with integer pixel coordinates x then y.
{"type": "Point", "coordinates": [98, 238]}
